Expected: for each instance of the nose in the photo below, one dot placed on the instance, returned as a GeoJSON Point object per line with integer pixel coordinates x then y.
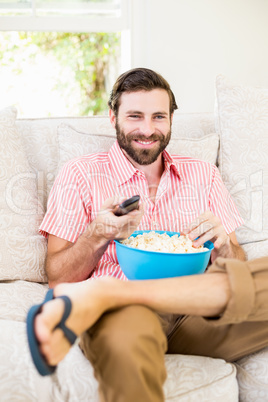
{"type": "Point", "coordinates": [147, 126]}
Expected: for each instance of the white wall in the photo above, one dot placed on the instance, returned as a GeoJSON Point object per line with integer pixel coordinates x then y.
{"type": "Point", "coordinates": [190, 42]}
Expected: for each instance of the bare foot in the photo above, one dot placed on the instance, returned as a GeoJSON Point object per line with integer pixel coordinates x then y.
{"type": "Point", "coordinates": [89, 301]}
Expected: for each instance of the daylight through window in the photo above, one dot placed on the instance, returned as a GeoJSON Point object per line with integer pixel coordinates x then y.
{"type": "Point", "coordinates": [60, 72]}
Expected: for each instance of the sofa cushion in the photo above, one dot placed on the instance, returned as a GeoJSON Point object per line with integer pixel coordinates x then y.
{"type": "Point", "coordinates": [23, 250]}
{"type": "Point", "coordinates": [252, 375]}
{"type": "Point", "coordinates": [74, 143]}
{"type": "Point", "coordinates": [198, 378]}
{"type": "Point", "coordinates": [205, 148]}
{"type": "Point", "coordinates": [16, 297]}
{"type": "Point", "coordinates": [256, 249]}
{"type": "Point", "coordinates": [242, 123]}
{"type": "Point", "coordinates": [190, 378]}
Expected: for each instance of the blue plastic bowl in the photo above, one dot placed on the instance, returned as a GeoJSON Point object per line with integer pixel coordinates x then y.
{"type": "Point", "coordinates": [143, 264]}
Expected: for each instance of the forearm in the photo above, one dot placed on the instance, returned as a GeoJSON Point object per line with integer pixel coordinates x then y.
{"type": "Point", "coordinates": [237, 252]}
{"type": "Point", "coordinates": [229, 250]}
{"type": "Point", "coordinates": [67, 262]}
{"type": "Point", "coordinates": [75, 263]}
{"type": "Point", "coordinates": [203, 295]}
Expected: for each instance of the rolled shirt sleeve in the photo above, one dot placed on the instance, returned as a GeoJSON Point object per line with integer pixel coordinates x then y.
{"type": "Point", "coordinates": [222, 205]}
{"type": "Point", "coordinates": [69, 206]}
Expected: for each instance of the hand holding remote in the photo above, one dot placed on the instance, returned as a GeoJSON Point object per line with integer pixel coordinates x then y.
{"type": "Point", "coordinates": [128, 205]}
{"type": "Point", "coordinates": [107, 225]}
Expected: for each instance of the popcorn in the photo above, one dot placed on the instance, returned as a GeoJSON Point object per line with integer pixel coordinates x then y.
{"type": "Point", "coordinates": [164, 243]}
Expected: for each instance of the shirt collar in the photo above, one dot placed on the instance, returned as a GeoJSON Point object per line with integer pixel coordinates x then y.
{"type": "Point", "coordinates": [124, 170]}
{"type": "Point", "coordinates": [170, 163]}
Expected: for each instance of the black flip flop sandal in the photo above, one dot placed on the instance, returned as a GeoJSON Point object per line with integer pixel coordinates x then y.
{"type": "Point", "coordinates": [39, 361]}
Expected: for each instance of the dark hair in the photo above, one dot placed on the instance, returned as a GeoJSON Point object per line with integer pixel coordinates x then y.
{"type": "Point", "coordinates": [139, 79]}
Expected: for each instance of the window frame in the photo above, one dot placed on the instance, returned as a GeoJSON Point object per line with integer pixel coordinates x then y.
{"type": "Point", "coordinates": [68, 24]}
{"type": "Point", "coordinates": [74, 24]}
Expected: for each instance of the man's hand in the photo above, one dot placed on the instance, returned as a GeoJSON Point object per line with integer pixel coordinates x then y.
{"type": "Point", "coordinates": [74, 262]}
{"type": "Point", "coordinates": [209, 227]}
{"type": "Point", "coordinates": [111, 227]}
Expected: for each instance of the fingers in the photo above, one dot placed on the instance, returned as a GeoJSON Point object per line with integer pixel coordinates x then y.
{"type": "Point", "coordinates": [222, 241]}
{"type": "Point", "coordinates": [202, 224]}
{"type": "Point", "coordinates": [41, 330]}
{"type": "Point", "coordinates": [45, 322]}
{"type": "Point", "coordinates": [195, 224]}
{"type": "Point", "coordinates": [111, 227]}
{"type": "Point", "coordinates": [127, 224]}
{"type": "Point", "coordinates": [55, 348]}
{"type": "Point", "coordinates": [53, 344]}
{"type": "Point", "coordinates": [217, 237]}
{"type": "Point", "coordinates": [112, 202]}
{"type": "Point", "coordinates": [137, 212]}
{"type": "Point", "coordinates": [206, 227]}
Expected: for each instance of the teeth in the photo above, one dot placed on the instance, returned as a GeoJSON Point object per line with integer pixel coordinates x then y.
{"type": "Point", "coordinates": [146, 142]}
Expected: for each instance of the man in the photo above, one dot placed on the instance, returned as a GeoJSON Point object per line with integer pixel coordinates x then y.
{"type": "Point", "coordinates": [127, 327]}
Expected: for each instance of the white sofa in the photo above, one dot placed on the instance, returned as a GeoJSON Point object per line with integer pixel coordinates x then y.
{"type": "Point", "coordinates": [31, 153]}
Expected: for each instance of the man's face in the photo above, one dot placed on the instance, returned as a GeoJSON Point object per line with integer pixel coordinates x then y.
{"type": "Point", "coordinates": [143, 124]}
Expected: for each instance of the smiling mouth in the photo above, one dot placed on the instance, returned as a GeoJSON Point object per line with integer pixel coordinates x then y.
{"type": "Point", "coordinates": [145, 142]}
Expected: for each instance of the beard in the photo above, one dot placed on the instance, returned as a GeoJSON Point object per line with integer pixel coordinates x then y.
{"type": "Point", "coordinates": [142, 156]}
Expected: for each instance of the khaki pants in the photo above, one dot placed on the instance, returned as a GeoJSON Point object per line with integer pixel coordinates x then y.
{"type": "Point", "coordinates": [126, 346]}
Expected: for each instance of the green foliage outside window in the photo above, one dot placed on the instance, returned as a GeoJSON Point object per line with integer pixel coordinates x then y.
{"type": "Point", "coordinates": [92, 58]}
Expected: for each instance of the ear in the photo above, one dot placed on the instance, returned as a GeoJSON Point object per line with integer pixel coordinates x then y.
{"type": "Point", "coordinates": [171, 118]}
{"type": "Point", "coordinates": [112, 118]}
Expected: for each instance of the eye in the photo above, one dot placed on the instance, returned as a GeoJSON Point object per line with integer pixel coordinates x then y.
{"type": "Point", "coordinates": [160, 117]}
{"type": "Point", "coordinates": [134, 116]}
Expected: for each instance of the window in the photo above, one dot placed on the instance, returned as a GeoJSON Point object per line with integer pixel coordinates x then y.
{"type": "Point", "coordinates": [61, 57]}
{"type": "Point", "coordinates": [62, 15]}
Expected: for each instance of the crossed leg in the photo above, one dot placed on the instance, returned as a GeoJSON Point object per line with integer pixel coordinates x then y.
{"type": "Point", "coordinates": [232, 292]}
{"type": "Point", "coordinates": [88, 303]}
{"type": "Point", "coordinates": [91, 298]}
{"type": "Point", "coordinates": [126, 347]}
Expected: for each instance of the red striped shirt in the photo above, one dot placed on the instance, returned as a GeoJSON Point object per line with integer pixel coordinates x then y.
{"type": "Point", "coordinates": [188, 187]}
